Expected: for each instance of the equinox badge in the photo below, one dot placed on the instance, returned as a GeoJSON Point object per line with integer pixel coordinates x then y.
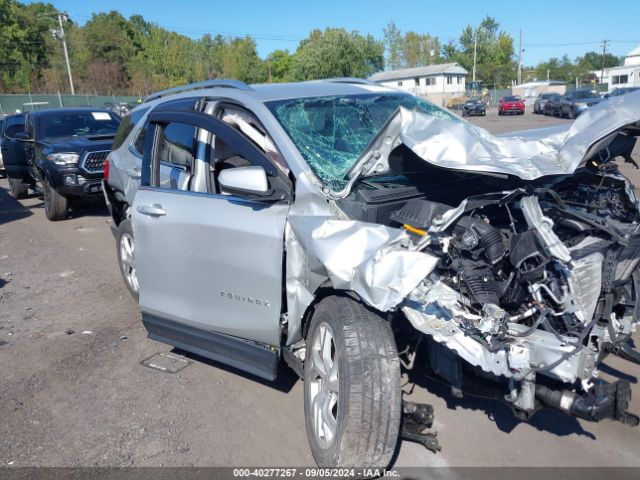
{"type": "Point", "coordinates": [242, 298]}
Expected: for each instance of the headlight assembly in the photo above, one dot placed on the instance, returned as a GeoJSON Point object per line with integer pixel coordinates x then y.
{"type": "Point", "coordinates": [64, 158]}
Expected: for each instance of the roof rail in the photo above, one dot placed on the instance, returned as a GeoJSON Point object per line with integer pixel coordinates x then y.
{"type": "Point", "coordinates": [199, 86]}
{"type": "Point", "coordinates": [360, 81]}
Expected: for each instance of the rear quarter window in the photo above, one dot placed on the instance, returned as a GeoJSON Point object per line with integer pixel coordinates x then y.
{"type": "Point", "coordinates": [126, 126]}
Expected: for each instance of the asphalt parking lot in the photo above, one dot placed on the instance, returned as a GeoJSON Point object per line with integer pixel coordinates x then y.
{"type": "Point", "coordinates": [74, 390]}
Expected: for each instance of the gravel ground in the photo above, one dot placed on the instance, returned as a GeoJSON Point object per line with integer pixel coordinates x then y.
{"type": "Point", "coordinates": [73, 391]}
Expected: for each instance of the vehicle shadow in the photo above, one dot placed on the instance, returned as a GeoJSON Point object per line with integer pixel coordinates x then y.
{"type": "Point", "coordinates": [284, 383]}
{"type": "Point", "coordinates": [11, 209]}
{"type": "Point", "coordinates": [499, 412]}
{"type": "Point", "coordinates": [90, 209]}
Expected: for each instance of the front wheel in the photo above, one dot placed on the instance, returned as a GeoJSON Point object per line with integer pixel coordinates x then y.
{"type": "Point", "coordinates": [352, 397]}
{"type": "Point", "coordinates": [125, 248]}
{"type": "Point", "coordinates": [55, 204]}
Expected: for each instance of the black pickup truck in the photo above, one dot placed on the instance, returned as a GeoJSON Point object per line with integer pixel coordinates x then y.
{"type": "Point", "coordinates": [64, 151]}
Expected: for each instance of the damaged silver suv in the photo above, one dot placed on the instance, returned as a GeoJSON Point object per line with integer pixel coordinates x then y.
{"type": "Point", "coordinates": [345, 228]}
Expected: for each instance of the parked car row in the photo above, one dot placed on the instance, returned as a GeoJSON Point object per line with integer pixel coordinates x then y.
{"type": "Point", "coordinates": [268, 223]}
{"type": "Point", "coordinates": [574, 102]}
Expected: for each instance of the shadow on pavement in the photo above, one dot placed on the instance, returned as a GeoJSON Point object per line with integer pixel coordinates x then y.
{"type": "Point", "coordinates": [11, 209]}
{"type": "Point", "coordinates": [284, 383]}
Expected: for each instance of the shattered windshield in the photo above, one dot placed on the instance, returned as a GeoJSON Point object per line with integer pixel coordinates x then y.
{"type": "Point", "coordinates": [332, 132]}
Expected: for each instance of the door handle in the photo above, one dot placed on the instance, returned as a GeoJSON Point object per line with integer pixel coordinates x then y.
{"type": "Point", "coordinates": [154, 210]}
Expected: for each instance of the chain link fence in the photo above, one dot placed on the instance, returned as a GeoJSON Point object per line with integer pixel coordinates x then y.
{"type": "Point", "coordinates": [10, 103]}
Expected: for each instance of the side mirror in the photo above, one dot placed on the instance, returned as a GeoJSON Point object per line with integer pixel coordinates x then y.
{"type": "Point", "coordinates": [244, 180]}
{"type": "Point", "coordinates": [23, 137]}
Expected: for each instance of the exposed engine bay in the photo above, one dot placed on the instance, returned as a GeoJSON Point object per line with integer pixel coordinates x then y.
{"type": "Point", "coordinates": [536, 282]}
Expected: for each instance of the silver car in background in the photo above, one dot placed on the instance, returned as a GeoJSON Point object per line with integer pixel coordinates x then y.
{"type": "Point", "coordinates": [541, 101]}
{"type": "Point", "coordinates": [355, 231]}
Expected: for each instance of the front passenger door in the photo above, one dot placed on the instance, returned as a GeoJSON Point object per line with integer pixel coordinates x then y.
{"type": "Point", "coordinates": [209, 264]}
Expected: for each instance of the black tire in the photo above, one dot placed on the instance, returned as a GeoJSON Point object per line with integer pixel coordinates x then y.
{"type": "Point", "coordinates": [55, 204]}
{"type": "Point", "coordinates": [17, 188]}
{"type": "Point", "coordinates": [127, 267]}
{"type": "Point", "coordinates": [572, 115]}
{"type": "Point", "coordinates": [368, 407]}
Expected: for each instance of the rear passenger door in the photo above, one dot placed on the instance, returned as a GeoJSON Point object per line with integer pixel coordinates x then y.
{"type": "Point", "coordinates": [209, 263]}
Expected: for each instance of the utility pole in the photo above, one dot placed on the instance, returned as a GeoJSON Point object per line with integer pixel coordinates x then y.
{"type": "Point", "coordinates": [475, 49]}
{"type": "Point", "coordinates": [604, 53]}
{"type": "Point", "coordinates": [59, 34]}
{"type": "Point", "coordinates": [520, 59]}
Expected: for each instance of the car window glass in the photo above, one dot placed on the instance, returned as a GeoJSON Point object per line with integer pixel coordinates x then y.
{"type": "Point", "coordinates": [176, 144]}
{"type": "Point", "coordinates": [13, 126]}
{"type": "Point", "coordinates": [126, 126]}
{"type": "Point", "coordinates": [77, 124]}
{"type": "Point", "coordinates": [245, 123]}
{"type": "Point", "coordinates": [138, 144]}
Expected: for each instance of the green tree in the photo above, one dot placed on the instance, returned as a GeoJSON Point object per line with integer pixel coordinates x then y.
{"type": "Point", "coordinates": [393, 45]}
{"type": "Point", "coordinates": [337, 53]}
{"type": "Point", "coordinates": [240, 60]}
{"type": "Point", "coordinates": [495, 62]}
{"type": "Point", "coordinates": [410, 49]}
{"type": "Point", "coordinates": [24, 45]}
{"type": "Point", "coordinates": [279, 64]}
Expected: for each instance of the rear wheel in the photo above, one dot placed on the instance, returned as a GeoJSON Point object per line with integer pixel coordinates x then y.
{"type": "Point", "coordinates": [352, 397]}
{"type": "Point", "coordinates": [55, 204]}
{"type": "Point", "coordinates": [17, 188]}
{"type": "Point", "coordinates": [125, 248]}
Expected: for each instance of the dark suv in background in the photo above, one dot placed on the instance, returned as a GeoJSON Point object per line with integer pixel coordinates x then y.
{"type": "Point", "coordinates": [64, 151]}
{"type": "Point", "coordinates": [575, 102]}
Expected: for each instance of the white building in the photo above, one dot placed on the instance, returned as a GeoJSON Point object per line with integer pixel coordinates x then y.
{"type": "Point", "coordinates": [438, 83]}
{"type": "Point", "coordinates": [626, 75]}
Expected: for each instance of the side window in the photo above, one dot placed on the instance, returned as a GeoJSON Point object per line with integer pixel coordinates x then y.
{"type": "Point", "coordinates": [127, 124]}
{"type": "Point", "coordinates": [138, 144]}
{"type": "Point", "coordinates": [247, 124]}
{"type": "Point", "coordinates": [177, 144]}
{"type": "Point", "coordinates": [13, 126]}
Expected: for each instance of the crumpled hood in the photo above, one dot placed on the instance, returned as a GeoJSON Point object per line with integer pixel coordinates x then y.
{"type": "Point", "coordinates": [527, 155]}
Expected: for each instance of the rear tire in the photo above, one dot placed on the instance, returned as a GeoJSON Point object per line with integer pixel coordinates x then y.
{"type": "Point", "coordinates": [55, 204]}
{"type": "Point", "coordinates": [352, 397]}
{"type": "Point", "coordinates": [125, 248]}
{"type": "Point", "coordinates": [17, 188]}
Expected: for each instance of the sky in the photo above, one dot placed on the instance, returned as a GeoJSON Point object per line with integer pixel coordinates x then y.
{"type": "Point", "coordinates": [549, 28]}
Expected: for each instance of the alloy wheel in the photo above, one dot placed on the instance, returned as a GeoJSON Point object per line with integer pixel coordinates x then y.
{"type": "Point", "coordinates": [324, 385]}
{"type": "Point", "coordinates": [126, 259]}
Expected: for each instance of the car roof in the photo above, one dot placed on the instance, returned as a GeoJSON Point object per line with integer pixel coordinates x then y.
{"type": "Point", "coordinates": [315, 88]}
{"type": "Point", "coordinates": [270, 91]}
